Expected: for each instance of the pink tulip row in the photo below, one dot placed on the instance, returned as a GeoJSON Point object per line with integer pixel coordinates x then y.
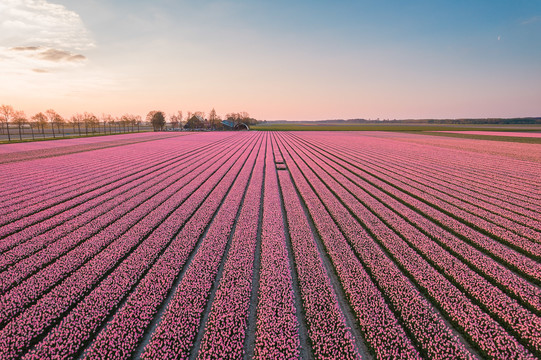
{"type": "Point", "coordinates": [474, 322]}
{"type": "Point", "coordinates": [489, 207]}
{"type": "Point", "coordinates": [497, 225]}
{"type": "Point", "coordinates": [41, 145]}
{"type": "Point", "coordinates": [428, 328]}
{"type": "Point", "coordinates": [53, 191]}
{"type": "Point", "coordinates": [32, 178]}
{"type": "Point", "coordinates": [509, 179]}
{"type": "Point", "coordinates": [277, 333]}
{"type": "Point", "coordinates": [52, 223]}
{"type": "Point", "coordinates": [117, 213]}
{"type": "Point", "coordinates": [20, 331]}
{"type": "Point", "coordinates": [151, 252]}
{"type": "Point", "coordinates": [120, 337]}
{"type": "Point", "coordinates": [500, 185]}
{"type": "Point", "coordinates": [464, 153]}
{"type": "Point", "coordinates": [175, 335]}
{"type": "Point", "coordinates": [505, 279]}
{"type": "Point", "coordinates": [516, 208]}
{"type": "Point", "coordinates": [73, 232]}
{"type": "Point", "coordinates": [121, 186]}
{"type": "Point", "coordinates": [226, 328]}
{"type": "Point", "coordinates": [381, 329]}
{"type": "Point", "coordinates": [64, 150]}
{"type": "Point", "coordinates": [330, 336]}
{"type": "Point", "coordinates": [449, 153]}
{"type": "Point", "coordinates": [524, 245]}
{"type": "Point", "coordinates": [56, 222]}
{"type": "Point", "coordinates": [487, 168]}
{"type": "Point", "coordinates": [456, 203]}
{"type": "Point", "coordinates": [17, 219]}
{"type": "Point", "coordinates": [525, 324]}
{"type": "Point", "coordinates": [50, 169]}
{"type": "Point", "coordinates": [503, 253]}
{"type": "Point", "coordinates": [82, 321]}
{"type": "Point", "coordinates": [37, 181]}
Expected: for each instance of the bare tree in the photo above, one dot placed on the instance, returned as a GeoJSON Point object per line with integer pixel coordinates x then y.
{"type": "Point", "coordinates": [243, 115]}
{"type": "Point", "coordinates": [173, 119]}
{"type": "Point", "coordinates": [6, 115]}
{"type": "Point", "coordinates": [52, 117]}
{"type": "Point", "coordinates": [19, 118]}
{"type": "Point", "coordinates": [137, 121]}
{"type": "Point", "coordinates": [41, 120]}
{"type": "Point", "coordinates": [214, 120]}
{"type": "Point", "coordinates": [76, 120]}
{"type": "Point", "coordinates": [176, 119]}
{"type": "Point", "coordinates": [179, 115]}
{"type": "Point", "coordinates": [129, 120]}
{"type": "Point", "coordinates": [32, 123]}
{"type": "Point", "coordinates": [59, 122]}
{"type": "Point", "coordinates": [108, 119]}
{"type": "Point", "coordinates": [240, 117]}
{"type": "Point", "coordinates": [233, 117]}
{"type": "Point", "coordinates": [91, 121]}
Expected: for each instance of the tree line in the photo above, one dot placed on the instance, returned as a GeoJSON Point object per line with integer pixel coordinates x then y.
{"type": "Point", "coordinates": [15, 123]}
{"type": "Point", "coordinates": [197, 120]}
{"type": "Point", "coordinates": [51, 123]}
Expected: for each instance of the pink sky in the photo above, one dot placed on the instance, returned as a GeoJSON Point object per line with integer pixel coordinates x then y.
{"type": "Point", "coordinates": [313, 61]}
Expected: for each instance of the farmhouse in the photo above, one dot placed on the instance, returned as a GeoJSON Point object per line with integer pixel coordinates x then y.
{"type": "Point", "coordinates": [195, 122]}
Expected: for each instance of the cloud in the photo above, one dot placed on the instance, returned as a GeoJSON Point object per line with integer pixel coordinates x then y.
{"type": "Point", "coordinates": [48, 73]}
{"type": "Point", "coordinates": [42, 52]}
{"type": "Point", "coordinates": [24, 48]}
{"type": "Point", "coordinates": [54, 55]}
{"type": "Point", "coordinates": [44, 56]}
{"type": "Point", "coordinates": [40, 23]}
{"type": "Point", "coordinates": [532, 20]}
{"type": "Point", "coordinates": [59, 55]}
{"type": "Point", "coordinates": [35, 34]}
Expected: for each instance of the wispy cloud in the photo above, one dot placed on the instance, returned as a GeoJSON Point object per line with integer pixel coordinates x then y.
{"type": "Point", "coordinates": [54, 55]}
{"type": "Point", "coordinates": [40, 23]}
{"type": "Point", "coordinates": [532, 20]}
{"type": "Point", "coordinates": [24, 48]}
{"type": "Point", "coordinates": [42, 48]}
{"type": "Point", "coordinates": [26, 59]}
{"type": "Point", "coordinates": [35, 34]}
{"type": "Point", "coordinates": [59, 55]}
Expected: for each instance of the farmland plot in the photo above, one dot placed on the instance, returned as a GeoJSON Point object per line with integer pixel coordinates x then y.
{"type": "Point", "coordinates": [270, 245]}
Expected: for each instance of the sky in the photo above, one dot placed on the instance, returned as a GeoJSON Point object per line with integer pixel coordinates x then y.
{"type": "Point", "coordinates": [276, 60]}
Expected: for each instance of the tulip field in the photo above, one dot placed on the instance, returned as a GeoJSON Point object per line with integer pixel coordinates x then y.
{"type": "Point", "coordinates": [270, 245]}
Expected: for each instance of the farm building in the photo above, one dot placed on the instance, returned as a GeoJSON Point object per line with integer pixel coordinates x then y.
{"type": "Point", "coordinates": [229, 125]}
{"type": "Point", "coordinates": [195, 122]}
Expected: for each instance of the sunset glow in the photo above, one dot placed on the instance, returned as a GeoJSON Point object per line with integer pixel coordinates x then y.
{"type": "Point", "coordinates": [301, 60]}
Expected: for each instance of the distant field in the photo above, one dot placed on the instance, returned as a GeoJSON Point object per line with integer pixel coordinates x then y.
{"type": "Point", "coordinates": [393, 127]}
{"type": "Point", "coordinates": [458, 131]}
{"type": "Point", "coordinates": [510, 133]}
{"type": "Point", "coordinates": [26, 136]}
{"type": "Point", "coordinates": [340, 245]}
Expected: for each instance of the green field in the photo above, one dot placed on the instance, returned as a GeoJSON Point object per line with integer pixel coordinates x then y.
{"type": "Point", "coordinates": [15, 137]}
{"type": "Point", "coordinates": [425, 129]}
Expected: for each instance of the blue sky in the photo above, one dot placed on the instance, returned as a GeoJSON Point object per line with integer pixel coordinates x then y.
{"type": "Point", "coordinates": [297, 60]}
